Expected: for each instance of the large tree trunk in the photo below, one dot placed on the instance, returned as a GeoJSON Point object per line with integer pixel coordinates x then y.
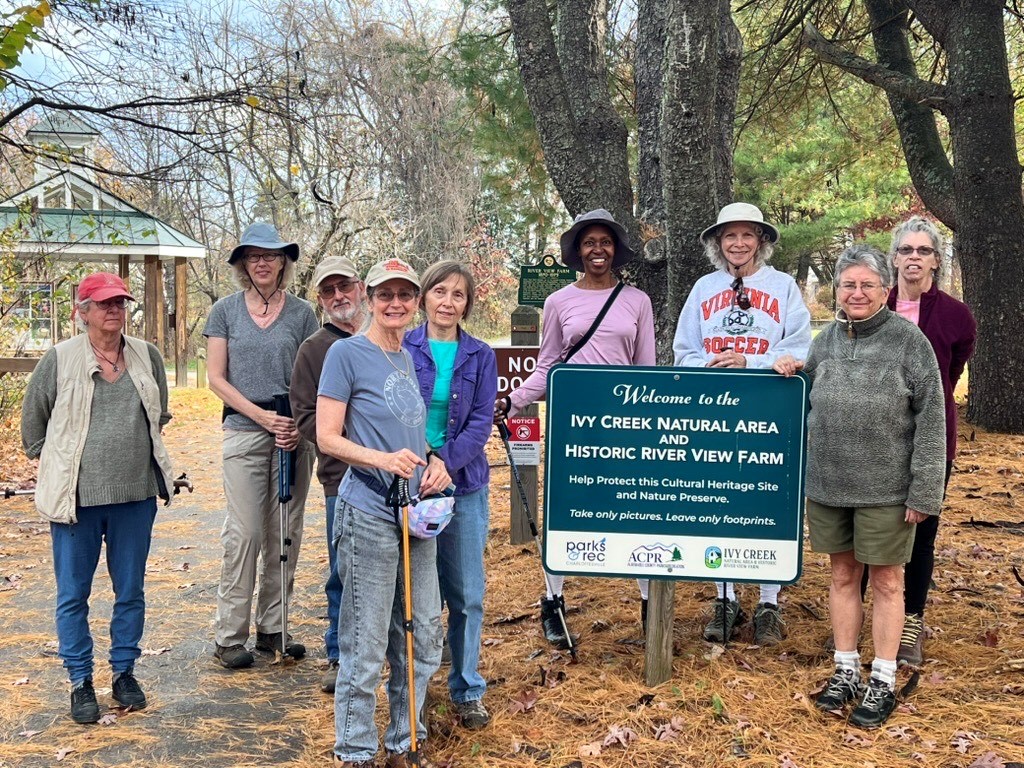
{"type": "Point", "coordinates": [978, 195]}
{"type": "Point", "coordinates": [585, 140]}
{"type": "Point", "coordinates": [989, 209]}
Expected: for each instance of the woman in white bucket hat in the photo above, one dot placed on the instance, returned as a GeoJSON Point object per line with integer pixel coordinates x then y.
{"type": "Point", "coordinates": [744, 315]}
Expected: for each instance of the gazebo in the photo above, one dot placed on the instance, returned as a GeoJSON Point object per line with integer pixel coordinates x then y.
{"type": "Point", "coordinates": [66, 215]}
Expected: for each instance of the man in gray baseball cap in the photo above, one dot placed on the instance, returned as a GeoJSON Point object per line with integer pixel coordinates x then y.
{"type": "Point", "coordinates": [342, 297]}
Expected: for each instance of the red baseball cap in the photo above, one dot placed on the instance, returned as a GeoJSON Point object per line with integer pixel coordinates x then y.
{"type": "Point", "coordinates": [101, 286]}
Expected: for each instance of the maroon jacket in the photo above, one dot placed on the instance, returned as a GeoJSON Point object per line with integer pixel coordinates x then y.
{"type": "Point", "coordinates": [950, 327]}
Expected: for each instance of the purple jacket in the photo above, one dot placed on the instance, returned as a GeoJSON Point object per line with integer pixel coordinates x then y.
{"type": "Point", "coordinates": [474, 389]}
{"type": "Point", "coordinates": [950, 327]}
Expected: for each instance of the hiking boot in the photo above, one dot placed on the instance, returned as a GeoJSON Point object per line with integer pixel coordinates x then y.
{"type": "Point", "coordinates": [874, 709]}
{"type": "Point", "coordinates": [84, 708]}
{"type": "Point", "coordinates": [552, 624]}
{"type": "Point", "coordinates": [446, 651]}
{"type": "Point", "coordinates": [402, 760]}
{"type": "Point", "coordinates": [330, 679]}
{"type": "Point", "coordinates": [270, 642]}
{"type": "Point", "coordinates": [768, 625]}
{"type": "Point", "coordinates": [844, 685]}
{"type": "Point", "coordinates": [726, 617]}
{"type": "Point", "coordinates": [127, 692]}
{"type": "Point", "coordinates": [473, 714]}
{"type": "Point", "coordinates": [911, 652]}
{"type": "Point", "coordinates": [233, 656]}
{"type": "Point", "coordinates": [339, 763]}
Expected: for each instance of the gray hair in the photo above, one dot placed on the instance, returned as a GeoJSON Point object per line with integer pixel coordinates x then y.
{"type": "Point", "coordinates": [441, 271]}
{"type": "Point", "coordinates": [919, 224]}
{"type": "Point", "coordinates": [863, 255]}
{"type": "Point", "coordinates": [713, 249]}
{"type": "Point", "coordinates": [81, 306]}
{"type": "Point", "coordinates": [243, 279]}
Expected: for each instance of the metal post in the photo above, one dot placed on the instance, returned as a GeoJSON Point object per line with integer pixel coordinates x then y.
{"type": "Point", "coordinates": [525, 333]}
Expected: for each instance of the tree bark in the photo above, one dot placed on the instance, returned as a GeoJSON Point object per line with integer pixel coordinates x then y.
{"type": "Point", "coordinates": [978, 194]}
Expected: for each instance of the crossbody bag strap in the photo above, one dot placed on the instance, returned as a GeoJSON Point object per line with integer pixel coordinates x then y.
{"type": "Point", "coordinates": [594, 326]}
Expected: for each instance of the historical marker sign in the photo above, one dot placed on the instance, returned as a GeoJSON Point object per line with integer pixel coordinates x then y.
{"type": "Point", "coordinates": [540, 280]}
{"type": "Point", "coordinates": [682, 473]}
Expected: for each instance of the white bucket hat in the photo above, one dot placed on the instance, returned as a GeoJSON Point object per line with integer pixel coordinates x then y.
{"type": "Point", "coordinates": [746, 212]}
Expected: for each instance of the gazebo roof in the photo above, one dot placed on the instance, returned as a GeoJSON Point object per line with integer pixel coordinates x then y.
{"type": "Point", "coordinates": [62, 123]}
{"type": "Point", "coordinates": [92, 234]}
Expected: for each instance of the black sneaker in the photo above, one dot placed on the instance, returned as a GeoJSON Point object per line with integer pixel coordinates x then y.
{"type": "Point", "coordinates": [84, 708]}
{"type": "Point", "coordinates": [473, 714]}
{"type": "Point", "coordinates": [844, 685]}
{"type": "Point", "coordinates": [874, 709]}
{"type": "Point", "coordinates": [233, 656]}
{"type": "Point", "coordinates": [727, 616]}
{"type": "Point", "coordinates": [270, 642]}
{"type": "Point", "coordinates": [127, 692]}
{"type": "Point", "coordinates": [554, 632]}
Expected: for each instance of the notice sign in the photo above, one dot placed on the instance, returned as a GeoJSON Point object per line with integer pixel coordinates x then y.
{"type": "Point", "coordinates": [514, 365]}
{"type": "Point", "coordinates": [524, 440]}
{"type": "Point", "coordinates": [682, 473]}
{"type": "Point", "coordinates": [539, 281]}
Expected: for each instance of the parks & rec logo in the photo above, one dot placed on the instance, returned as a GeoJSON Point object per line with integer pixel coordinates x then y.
{"type": "Point", "coordinates": [586, 551]}
{"type": "Point", "coordinates": [713, 557]}
{"type": "Point", "coordinates": [663, 556]}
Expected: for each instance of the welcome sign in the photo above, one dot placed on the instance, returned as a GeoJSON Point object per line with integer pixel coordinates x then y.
{"type": "Point", "coordinates": [682, 473]}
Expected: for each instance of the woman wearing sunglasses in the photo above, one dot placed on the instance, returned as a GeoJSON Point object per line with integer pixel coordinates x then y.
{"type": "Point", "coordinates": [744, 315]}
{"type": "Point", "coordinates": [949, 326]}
{"type": "Point", "coordinates": [252, 337]}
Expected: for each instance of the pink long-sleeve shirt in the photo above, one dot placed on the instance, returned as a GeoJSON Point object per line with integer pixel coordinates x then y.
{"type": "Point", "coordinates": [625, 336]}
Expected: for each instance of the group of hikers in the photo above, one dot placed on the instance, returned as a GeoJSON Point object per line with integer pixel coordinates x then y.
{"type": "Point", "coordinates": [398, 420]}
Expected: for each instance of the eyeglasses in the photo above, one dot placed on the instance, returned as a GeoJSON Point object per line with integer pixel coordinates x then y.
{"type": "Point", "coordinates": [329, 290]}
{"type": "Point", "coordinates": [605, 242]}
{"type": "Point", "coordinates": [252, 258]}
{"type": "Point", "coordinates": [864, 287]}
{"type": "Point", "coordinates": [112, 304]}
{"type": "Point", "coordinates": [387, 297]}
{"type": "Point", "coordinates": [741, 299]}
{"type": "Point", "coordinates": [924, 250]}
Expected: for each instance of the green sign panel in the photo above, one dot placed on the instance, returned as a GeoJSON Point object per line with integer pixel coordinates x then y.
{"type": "Point", "coordinates": [539, 281]}
{"type": "Point", "coordinates": [681, 473]}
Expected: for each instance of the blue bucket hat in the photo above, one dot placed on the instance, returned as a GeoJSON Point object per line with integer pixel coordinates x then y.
{"type": "Point", "coordinates": [263, 235]}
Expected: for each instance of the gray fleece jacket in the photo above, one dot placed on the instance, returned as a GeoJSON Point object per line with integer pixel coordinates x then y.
{"type": "Point", "coordinates": [877, 421]}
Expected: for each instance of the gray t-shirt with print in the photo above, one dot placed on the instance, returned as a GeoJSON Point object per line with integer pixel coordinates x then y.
{"type": "Point", "coordinates": [260, 360]}
{"type": "Point", "coordinates": [385, 412]}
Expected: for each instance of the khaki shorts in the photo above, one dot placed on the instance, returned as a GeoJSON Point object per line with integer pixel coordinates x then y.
{"type": "Point", "coordinates": [877, 535]}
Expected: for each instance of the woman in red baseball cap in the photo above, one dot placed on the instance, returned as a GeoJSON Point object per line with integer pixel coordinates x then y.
{"type": "Point", "coordinates": [95, 396]}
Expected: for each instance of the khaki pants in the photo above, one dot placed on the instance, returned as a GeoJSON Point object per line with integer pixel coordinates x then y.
{"type": "Point", "coordinates": [251, 535]}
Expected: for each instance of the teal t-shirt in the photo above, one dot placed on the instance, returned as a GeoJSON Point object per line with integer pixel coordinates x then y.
{"type": "Point", "coordinates": [443, 353]}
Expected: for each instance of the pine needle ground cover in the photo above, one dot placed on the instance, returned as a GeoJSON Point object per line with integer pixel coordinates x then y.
{"type": "Point", "coordinates": [740, 705]}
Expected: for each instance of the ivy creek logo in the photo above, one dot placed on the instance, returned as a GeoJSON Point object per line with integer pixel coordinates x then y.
{"type": "Point", "coordinates": [592, 551]}
{"type": "Point", "coordinates": [713, 557]}
{"type": "Point", "coordinates": [664, 556]}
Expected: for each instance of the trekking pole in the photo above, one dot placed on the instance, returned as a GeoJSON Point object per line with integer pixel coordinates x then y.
{"type": "Point", "coordinates": [9, 492]}
{"type": "Point", "coordinates": [285, 480]}
{"type": "Point", "coordinates": [398, 499]}
{"type": "Point", "coordinates": [503, 431]}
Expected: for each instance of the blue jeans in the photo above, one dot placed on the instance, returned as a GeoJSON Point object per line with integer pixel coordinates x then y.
{"type": "Point", "coordinates": [127, 530]}
{"type": "Point", "coordinates": [333, 586]}
{"type": "Point", "coordinates": [370, 631]}
{"type": "Point", "coordinates": [460, 571]}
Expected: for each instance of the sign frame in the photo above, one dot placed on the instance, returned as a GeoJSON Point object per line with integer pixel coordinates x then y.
{"type": "Point", "coordinates": [744, 524]}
